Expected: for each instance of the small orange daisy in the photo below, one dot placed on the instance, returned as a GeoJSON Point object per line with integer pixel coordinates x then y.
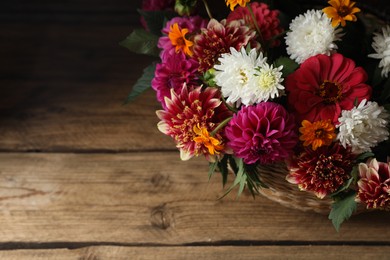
{"type": "Point", "coordinates": [233, 3]}
{"type": "Point", "coordinates": [341, 11]}
{"type": "Point", "coordinates": [203, 137]}
{"type": "Point", "coordinates": [317, 134]}
{"type": "Point", "coordinates": [178, 39]}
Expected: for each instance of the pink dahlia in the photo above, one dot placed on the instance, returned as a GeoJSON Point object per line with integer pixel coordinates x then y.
{"type": "Point", "coordinates": [322, 171]}
{"type": "Point", "coordinates": [172, 73]}
{"type": "Point", "coordinates": [217, 38]}
{"type": "Point", "coordinates": [264, 133]}
{"type": "Point", "coordinates": [192, 23]}
{"type": "Point", "coordinates": [155, 5]}
{"type": "Point", "coordinates": [324, 85]}
{"type": "Point", "coordinates": [266, 19]}
{"type": "Point", "coordinates": [374, 184]}
{"type": "Point", "coordinates": [190, 117]}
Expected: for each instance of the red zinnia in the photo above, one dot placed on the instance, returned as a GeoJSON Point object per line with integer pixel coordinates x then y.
{"type": "Point", "coordinates": [324, 85]}
{"type": "Point", "coordinates": [322, 171]}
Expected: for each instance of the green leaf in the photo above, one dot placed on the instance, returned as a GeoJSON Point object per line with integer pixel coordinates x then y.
{"type": "Point", "coordinates": [239, 178]}
{"type": "Point", "coordinates": [289, 66]}
{"type": "Point", "coordinates": [364, 156]}
{"type": "Point", "coordinates": [212, 167]}
{"type": "Point", "coordinates": [142, 42]}
{"type": "Point", "coordinates": [344, 187]}
{"type": "Point", "coordinates": [156, 20]}
{"type": "Point", "coordinates": [142, 84]}
{"type": "Point", "coordinates": [223, 167]}
{"type": "Point", "coordinates": [342, 210]}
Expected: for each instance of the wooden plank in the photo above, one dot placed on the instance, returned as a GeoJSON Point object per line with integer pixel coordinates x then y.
{"type": "Point", "coordinates": [153, 198]}
{"type": "Point", "coordinates": [212, 253]}
{"type": "Point", "coordinates": [68, 95]}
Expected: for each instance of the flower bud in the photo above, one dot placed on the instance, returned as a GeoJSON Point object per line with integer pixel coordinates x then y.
{"type": "Point", "coordinates": [185, 7]}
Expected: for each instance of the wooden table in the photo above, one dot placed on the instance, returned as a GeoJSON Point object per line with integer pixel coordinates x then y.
{"type": "Point", "coordinates": [83, 176]}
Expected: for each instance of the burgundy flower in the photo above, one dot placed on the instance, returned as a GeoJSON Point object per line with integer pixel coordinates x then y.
{"type": "Point", "coordinates": [172, 74]}
{"type": "Point", "coordinates": [266, 19]}
{"type": "Point", "coordinates": [374, 184]}
{"type": "Point", "coordinates": [324, 86]}
{"type": "Point", "coordinates": [264, 133]}
{"type": "Point", "coordinates": [217, 38]}
{"type": "Point", "coordinates": [190, 117]}
{"type": "Point", "coordinates": [322, 171]}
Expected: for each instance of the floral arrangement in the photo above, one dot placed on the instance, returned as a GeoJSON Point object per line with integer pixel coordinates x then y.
{"type": "Point", "coordinates": [272, 83]}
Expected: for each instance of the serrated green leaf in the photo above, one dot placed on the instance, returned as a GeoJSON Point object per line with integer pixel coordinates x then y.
{"type": "Point", "coordinates": [156, 20]}
{"type": "Point", "coordinates": [239, 177]}
{"type": "Point", "coordinates": [289, 66]}
{"type": "Point", "coordinates": [142, 42]}
{"type": "Point", "coordinates": [142, 84]}
{"type": "Point", "coordinates": [342, 210]}
{"type": "Point", "coordinates": [242, 184]}
{"type": "Point", "coordinates": [212, 167]}
{"type": "Point", "coordinates": [223, 167]}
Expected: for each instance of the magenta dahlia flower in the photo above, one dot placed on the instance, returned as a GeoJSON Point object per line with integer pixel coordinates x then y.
{"type": "Point", "coordinates": [264, 133]}
{"type": "Point", "coordinates": [322, 171]}
{"type": "Point", "coordinates": [267, 20]}
{"type": "Point", "coordinates": [324, 85]}
{"type": "Point", "coordinates": [156, 5]}
{"type": "Point", "coordinates": [217, 38]}
{"type": "Point", "coordinates": [190, 117]}
{"type": "Point", "coordinates": [192, 23]}
{"type": "Point", "coordinates": [374, 184]}
{"type": "Point", "coordinates": [172, 74]}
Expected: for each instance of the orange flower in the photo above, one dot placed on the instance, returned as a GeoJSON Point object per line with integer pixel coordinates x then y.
{"type": "Point", "coordinates": [233, 3]}
{"type": "Point", "coordinates": [317, 134]}
{"type": "Point", "coordinates": [178, 39]}
{"type": "Point", "coordinates": [203, 137]}
{"type": "Point", "coordinates": [341, 11]}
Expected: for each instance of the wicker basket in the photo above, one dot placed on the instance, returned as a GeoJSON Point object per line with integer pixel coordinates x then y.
{"type": "Point", "coordinates": [287, 194]}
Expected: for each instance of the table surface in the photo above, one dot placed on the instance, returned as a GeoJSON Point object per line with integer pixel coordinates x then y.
{"type": "Point", "coordinates": [83, 176]}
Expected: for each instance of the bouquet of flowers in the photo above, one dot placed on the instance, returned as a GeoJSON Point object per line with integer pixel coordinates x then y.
{"type": "Point", "coordinates": [254, 85]}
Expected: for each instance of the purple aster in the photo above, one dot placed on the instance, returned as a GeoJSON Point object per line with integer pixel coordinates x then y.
{"type": "Point", "coordinates": [172, 73]}
{"type": "Point", "coordinates": [192, 23]}
{"type": "Point", "coordinates": [265, 133]}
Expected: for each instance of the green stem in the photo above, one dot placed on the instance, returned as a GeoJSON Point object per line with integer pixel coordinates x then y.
{"type": "Point", "coordinates": [262, 42]}
{"type": "Point", "coordinates": [207, 9]}
{"type": "Point", "coordinates": [229, 106]}
{"type": "Point", "coordinates": [219, 127]}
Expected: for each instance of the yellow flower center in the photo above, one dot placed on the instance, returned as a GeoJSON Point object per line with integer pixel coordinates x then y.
{"type": "Point", "coordinates": [203, 137]}
{"type": "Point", "coordinates": [267, 80]}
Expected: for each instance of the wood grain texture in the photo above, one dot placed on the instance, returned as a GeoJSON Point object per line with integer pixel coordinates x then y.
{"type": "Point", "coordinates": [66, 90]}
{"type": "Point", "coordinates": [139, 198]}
{"type": "Point", "coordinates": [212, 253]}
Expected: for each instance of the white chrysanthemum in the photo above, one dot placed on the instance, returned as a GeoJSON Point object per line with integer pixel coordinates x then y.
{"type": "Point", "coordinates": [235, 71]}
{"type": "Point", "coordinates": [381, 45]}
{"type": "Point", "coordinates": [363, 127]}
{"type": "Point", "coordinates": [310, 34]}
{"type": "Point", "coordinates": [266, 85]}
